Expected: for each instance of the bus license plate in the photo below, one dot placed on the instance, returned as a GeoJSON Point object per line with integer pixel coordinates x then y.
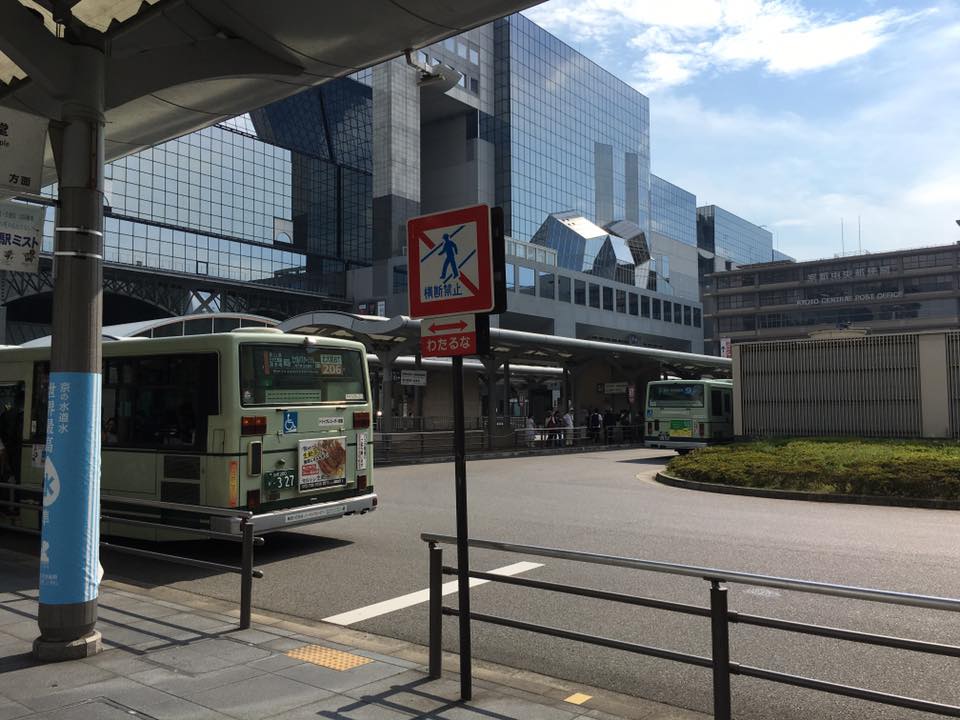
{"type": "Point", "coordinates": [280, 479]}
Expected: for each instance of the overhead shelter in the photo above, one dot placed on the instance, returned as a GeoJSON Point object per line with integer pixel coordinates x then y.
{"type": "Point", "coordinates": [397, 337]}
{"type": "Point", "coordinates": [114, 77]}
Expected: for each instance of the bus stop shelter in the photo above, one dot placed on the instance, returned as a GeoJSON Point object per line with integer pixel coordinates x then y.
{"type": "Point", "coordinates": [581, 365]}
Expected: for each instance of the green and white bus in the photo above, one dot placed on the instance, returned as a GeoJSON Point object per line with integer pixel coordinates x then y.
{"type": "Point", "coordinates": [683, 415]}
{"type": "Point", "coordinates": [254, 419]}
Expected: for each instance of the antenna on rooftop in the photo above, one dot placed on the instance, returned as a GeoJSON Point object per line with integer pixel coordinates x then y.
{"type": "Point", "coordinates": [859, 243]}
{"type": "Point", "coordinates": [842, 249]}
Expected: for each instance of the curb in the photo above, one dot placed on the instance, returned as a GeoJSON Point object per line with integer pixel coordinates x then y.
{"type": "Point", "coordinates": [929, 504]}
{"type": "Point", "coordinates": [499, 455]}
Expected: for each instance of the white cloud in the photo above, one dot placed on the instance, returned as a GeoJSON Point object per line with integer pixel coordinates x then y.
{"type": "Point", "coordinates": [684, 39]}
{"type": "Point", "coordinates": [943, 190]}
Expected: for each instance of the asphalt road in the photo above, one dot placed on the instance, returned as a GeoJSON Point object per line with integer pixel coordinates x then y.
{"type": "Point", "coordinates": [608, 503]}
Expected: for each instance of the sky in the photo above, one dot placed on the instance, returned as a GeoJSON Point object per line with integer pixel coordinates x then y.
{"type": "Point", "coordinates": [801, 116]}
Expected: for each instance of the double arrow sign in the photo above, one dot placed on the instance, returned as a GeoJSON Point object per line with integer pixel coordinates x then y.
{"type": "Point", "coordinates": [460, 325]}
{"type": "Point", "coordinates": [447, 336]}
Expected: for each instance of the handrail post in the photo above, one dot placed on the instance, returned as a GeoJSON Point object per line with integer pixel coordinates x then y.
{"type": "Point", "coordinates": [436, 609]}
{"type": "Point", "coordinates": [246, 573]}
{"type": "Point", "coordinates": [720, 632]}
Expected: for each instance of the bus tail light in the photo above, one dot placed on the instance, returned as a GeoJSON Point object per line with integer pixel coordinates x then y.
{"type": "Point", "coordinates": [361, 482]}
{"type": "Point", "coordinates": [361, 420]}
{"type": "Point", "coordinates": [700, 425]}
{"type": "Point", "coordinates": [649, 428]}
{"type": "Point", "coordinates": [253, 500]}
{"type": "Point", "coordinates": [253, 425]}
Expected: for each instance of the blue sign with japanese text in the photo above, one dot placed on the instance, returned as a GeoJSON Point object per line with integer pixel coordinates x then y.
{"type": "Point", "coordinates": [70, 538]}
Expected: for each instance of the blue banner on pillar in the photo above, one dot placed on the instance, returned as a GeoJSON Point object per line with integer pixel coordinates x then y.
{"type": "Point", "coordinates": [70, 542]}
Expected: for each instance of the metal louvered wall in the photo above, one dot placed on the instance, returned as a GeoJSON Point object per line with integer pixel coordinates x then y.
{"type": "Point", "coordinates": [866, 386]}
{"type": "Point", "coordinates": [953, 380]}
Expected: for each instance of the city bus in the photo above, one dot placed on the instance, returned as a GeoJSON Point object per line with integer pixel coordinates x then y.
{"type": "Point", "coordinates": [254, 419]}
{"type": "Point", "coordinates": [683, 415]}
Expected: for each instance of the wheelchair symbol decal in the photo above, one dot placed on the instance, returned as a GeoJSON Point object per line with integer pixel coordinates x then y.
{"type": "Point", "coordinates": [290, 422]}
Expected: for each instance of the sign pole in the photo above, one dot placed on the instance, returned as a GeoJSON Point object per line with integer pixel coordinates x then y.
{"type": "Point", "coordinates": [463, 560]}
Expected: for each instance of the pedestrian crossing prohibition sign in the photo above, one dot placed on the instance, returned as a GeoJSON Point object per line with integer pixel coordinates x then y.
{"type": "Point", "coordinates": [450, 263]}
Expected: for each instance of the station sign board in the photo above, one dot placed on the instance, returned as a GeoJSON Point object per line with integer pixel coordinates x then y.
{"type": "Point", "coordinates": [23, 138]}
{"type": "Point", "coordinates": [416, 378]}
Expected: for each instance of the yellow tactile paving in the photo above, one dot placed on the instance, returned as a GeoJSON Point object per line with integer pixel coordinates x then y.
{"type": "Point", "coordinates": [578, 699]}
{"type": "Point", "coordinates": [328, 657]}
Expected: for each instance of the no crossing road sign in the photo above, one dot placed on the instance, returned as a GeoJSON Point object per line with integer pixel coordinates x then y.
{"type": "Point", "coordinates": [454, 335]}
{"type": "Point", "coordinates": [450, 260]}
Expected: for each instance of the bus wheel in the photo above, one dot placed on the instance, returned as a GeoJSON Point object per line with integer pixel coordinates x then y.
{"type": "Point", "coordinates": [683, 452]}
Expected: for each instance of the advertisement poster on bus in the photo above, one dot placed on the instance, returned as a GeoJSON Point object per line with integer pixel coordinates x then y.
{"type": "Point", "coordinates": [323, 462]}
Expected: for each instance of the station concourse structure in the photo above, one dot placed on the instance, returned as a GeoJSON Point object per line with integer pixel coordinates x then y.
{"type": "Point", "coordinates": [584, 370]}
{"type": "Point", "coordinates": [115, 76]}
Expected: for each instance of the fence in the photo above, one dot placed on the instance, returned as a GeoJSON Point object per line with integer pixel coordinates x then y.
{"type": "Point", "coordinates": [718, 613]}
{"type": "Point", "coordinates": [200, 513]}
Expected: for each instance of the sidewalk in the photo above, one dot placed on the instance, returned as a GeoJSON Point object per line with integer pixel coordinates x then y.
{"type": "Point", "coordinates": [173, 655]}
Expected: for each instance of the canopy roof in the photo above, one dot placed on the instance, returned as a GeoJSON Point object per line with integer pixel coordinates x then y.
{"type": "Point", "coordinates": [401, 334]}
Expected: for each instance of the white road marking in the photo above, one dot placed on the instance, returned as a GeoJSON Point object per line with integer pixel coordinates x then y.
{"type": "Point", "coordinates": [421, 596]}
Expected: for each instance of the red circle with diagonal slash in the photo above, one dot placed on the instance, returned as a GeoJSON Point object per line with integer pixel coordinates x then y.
{"type": "Point", "coordinates": [419, 243]}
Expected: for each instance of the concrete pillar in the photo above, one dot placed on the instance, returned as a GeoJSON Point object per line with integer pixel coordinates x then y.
{"type": "Point", "coordinates": [386, 394]}
{"type": "Point", "coordinates": [69, 556]}
{"type": "Point", "coordinates": [490, 365]}
{"type": "Point", "coordinates": [934, 380]}
{"type": "Point", "coordinates": [418, 395]}
{"type": "Point", "coordinates": [506, 388]}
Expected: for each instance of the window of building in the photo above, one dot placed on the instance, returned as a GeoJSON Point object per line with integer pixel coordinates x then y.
{"type": "Point", "coordinates": [687, 317]}
{"type": "Point", "coordinates": [594, 295]}
{"type": "Point", "coordinates": [580, 292]}
{"type": "Point", "coordinates": [548, 287]}
{"type": "Point", "coordinates": [608, 298]}
{"type": "Point", "coordinates": [399, 279]}
{"type": "Point", "coordinates": [644, 306]}
{"type": "Point", "coordinates": [930, 283]}
{"type": "Point", "coordinates": [696, 317]}
{"type": "Point", "coordinates": [526, 281]}
{"type": "Point", "coordinates": [656, 309]}
{"type": "Point", "coordinates": [667, 311]}
{"type": "Point", "coordinates": [564, 286]}
{"type": "Point", "coordinates": [634, 304]}
{"type": "Point", "coordinates": [511, 279]}
{"type": "Point", "coordinates": [621, 301]}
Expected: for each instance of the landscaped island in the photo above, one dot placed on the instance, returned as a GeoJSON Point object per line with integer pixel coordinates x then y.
{"type": "Point", "coordinates": [887, 468]}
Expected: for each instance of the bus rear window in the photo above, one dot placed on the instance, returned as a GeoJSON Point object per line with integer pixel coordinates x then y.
{"type": "Point", "coordinates": [298, 375]}
{"type": "Point", "coordinates": [676, 395]}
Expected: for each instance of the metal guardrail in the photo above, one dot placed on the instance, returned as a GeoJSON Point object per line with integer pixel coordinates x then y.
{"type": "Point", "coordinates": [246, 537]}
{"type": "Point", "coordinates": [580, 436]}
{"type": "Point", "coordinates": [410, 445]}
{"type": "Point", "coordinates": [720, 619]}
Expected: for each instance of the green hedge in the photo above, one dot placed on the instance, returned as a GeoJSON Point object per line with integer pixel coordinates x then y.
{"type": "Point", "coordinates": [907, 469]}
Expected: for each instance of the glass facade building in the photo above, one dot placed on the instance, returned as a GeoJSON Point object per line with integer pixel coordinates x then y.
{"type": "Point", "coordinates": [212, 203]}
{"type": "Point", "coordinates": [723, 233]}
{"type": "Point", "coordinates": [568, 134]}
{"type": "Point", "coordinates": [673, 211]}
